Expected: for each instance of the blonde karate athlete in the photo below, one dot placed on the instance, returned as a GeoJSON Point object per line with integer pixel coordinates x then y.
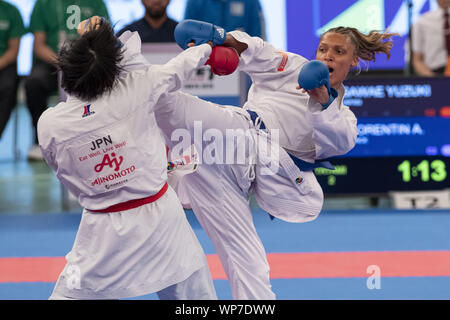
{"type": "Point", "coordinates": [107, 150]}
{"type": "Point", "coordinates": [312, 122]}
{"type": "Point", "coordinates": [219, 193]}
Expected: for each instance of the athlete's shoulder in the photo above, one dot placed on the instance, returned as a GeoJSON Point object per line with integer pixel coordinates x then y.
{"type": "Point", "coordinates": [47, 120]}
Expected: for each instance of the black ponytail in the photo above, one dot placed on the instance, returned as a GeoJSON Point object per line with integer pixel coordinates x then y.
{"type": "Point", "coordinates": [90, 65]}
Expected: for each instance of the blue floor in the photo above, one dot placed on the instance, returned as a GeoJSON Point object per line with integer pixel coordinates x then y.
{"type": "Point", "coordinates": [53, 234]}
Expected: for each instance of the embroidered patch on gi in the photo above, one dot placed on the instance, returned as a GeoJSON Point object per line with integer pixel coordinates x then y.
{"type": "Point", "coordinates": [284, 61]}
{"type": "Point", "coordinates": [299, 180]}
{"type": "Point", "coordinates": [178, 163]}
{"type": "Point", "coordinates": [170, 166]}
{"type": "Point", "coordinates": [87, 111]}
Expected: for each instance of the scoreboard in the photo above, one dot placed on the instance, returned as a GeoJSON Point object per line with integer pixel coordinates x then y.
{"type": "Point", "coordinates": [403, 142]}
{"type": "Point", "coordinates": [383, 174]}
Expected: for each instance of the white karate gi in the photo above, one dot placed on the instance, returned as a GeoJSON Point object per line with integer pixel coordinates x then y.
{"type": "Point", "coordinates": [306, 131]}
{"type": "Point", "coordinates": [109, 151]}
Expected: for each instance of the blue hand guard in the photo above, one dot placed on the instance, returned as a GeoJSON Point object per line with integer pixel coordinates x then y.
{"type": "Point", "coordinates": [199, 32]}
{"type": "Point", "coordinates": [315, 74]}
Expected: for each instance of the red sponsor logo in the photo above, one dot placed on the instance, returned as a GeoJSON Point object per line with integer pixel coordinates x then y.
{"type": "Point", "coordinates": [111, 162]}
{"type": "Point", "coordinates": [114, 176]}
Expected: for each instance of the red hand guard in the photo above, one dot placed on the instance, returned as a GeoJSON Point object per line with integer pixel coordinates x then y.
{"type": "Point", "coordinates": [223, 60]}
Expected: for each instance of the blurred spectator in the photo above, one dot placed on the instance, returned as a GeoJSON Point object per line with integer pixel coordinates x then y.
{"type": "Point", "coordinates": [11, 29]}
{"type": "Point", "coordinates": [52, 22]}
{"type": "Point", "coordinates": [155, 26]}
{"type": "Point", "coordinates": [245, 15]}
{"type": "Point", "coordinates": [430, 43]}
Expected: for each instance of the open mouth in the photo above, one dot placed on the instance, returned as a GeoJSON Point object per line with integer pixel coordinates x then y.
{"type": "Point", "coordinates": [330, 70]}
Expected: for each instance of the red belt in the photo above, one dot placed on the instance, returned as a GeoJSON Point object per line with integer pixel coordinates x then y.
{"type": "Point", "coordinates": [134, 203]}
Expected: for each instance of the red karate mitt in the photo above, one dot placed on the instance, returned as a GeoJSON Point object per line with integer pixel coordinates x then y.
{"type": "Point", "coordinates": [223, 60]}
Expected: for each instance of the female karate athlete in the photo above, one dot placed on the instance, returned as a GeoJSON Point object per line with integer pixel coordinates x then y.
{"type": "Point", "coordinates": [219, 193]}
{"type": "Point", "coordinates": [107, 150]}
{"type": "Point", "coordinates": [312, 122]}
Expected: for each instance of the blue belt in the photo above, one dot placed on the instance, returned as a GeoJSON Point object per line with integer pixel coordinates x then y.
{"type": "Point", "coordinates": [301, 164]}
{"type": "Point", "coordinates": [308, 166]}
{"type": "Point", "coordinates": [254, 116]}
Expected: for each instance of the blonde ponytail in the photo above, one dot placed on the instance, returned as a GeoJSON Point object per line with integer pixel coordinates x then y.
{"type": "Point", "coordinates": [366, 46]}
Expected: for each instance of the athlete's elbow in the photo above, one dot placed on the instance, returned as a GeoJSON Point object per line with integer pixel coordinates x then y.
{"type": "Point", "coordinates": [346, 144]}
{"type": "Point", "coordinates": [349, 146]}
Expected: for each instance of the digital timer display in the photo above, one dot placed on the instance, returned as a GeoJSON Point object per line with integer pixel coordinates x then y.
{"type": "Point", "coordinates": [426, 170]}
{"type": "Point", "coordinates": [384, 174]}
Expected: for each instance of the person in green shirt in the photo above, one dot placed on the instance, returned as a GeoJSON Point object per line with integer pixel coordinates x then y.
{"type": "Point", "coordinates": [11, 30]}
{"type": "Point", "coordinates": [52, 23]}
